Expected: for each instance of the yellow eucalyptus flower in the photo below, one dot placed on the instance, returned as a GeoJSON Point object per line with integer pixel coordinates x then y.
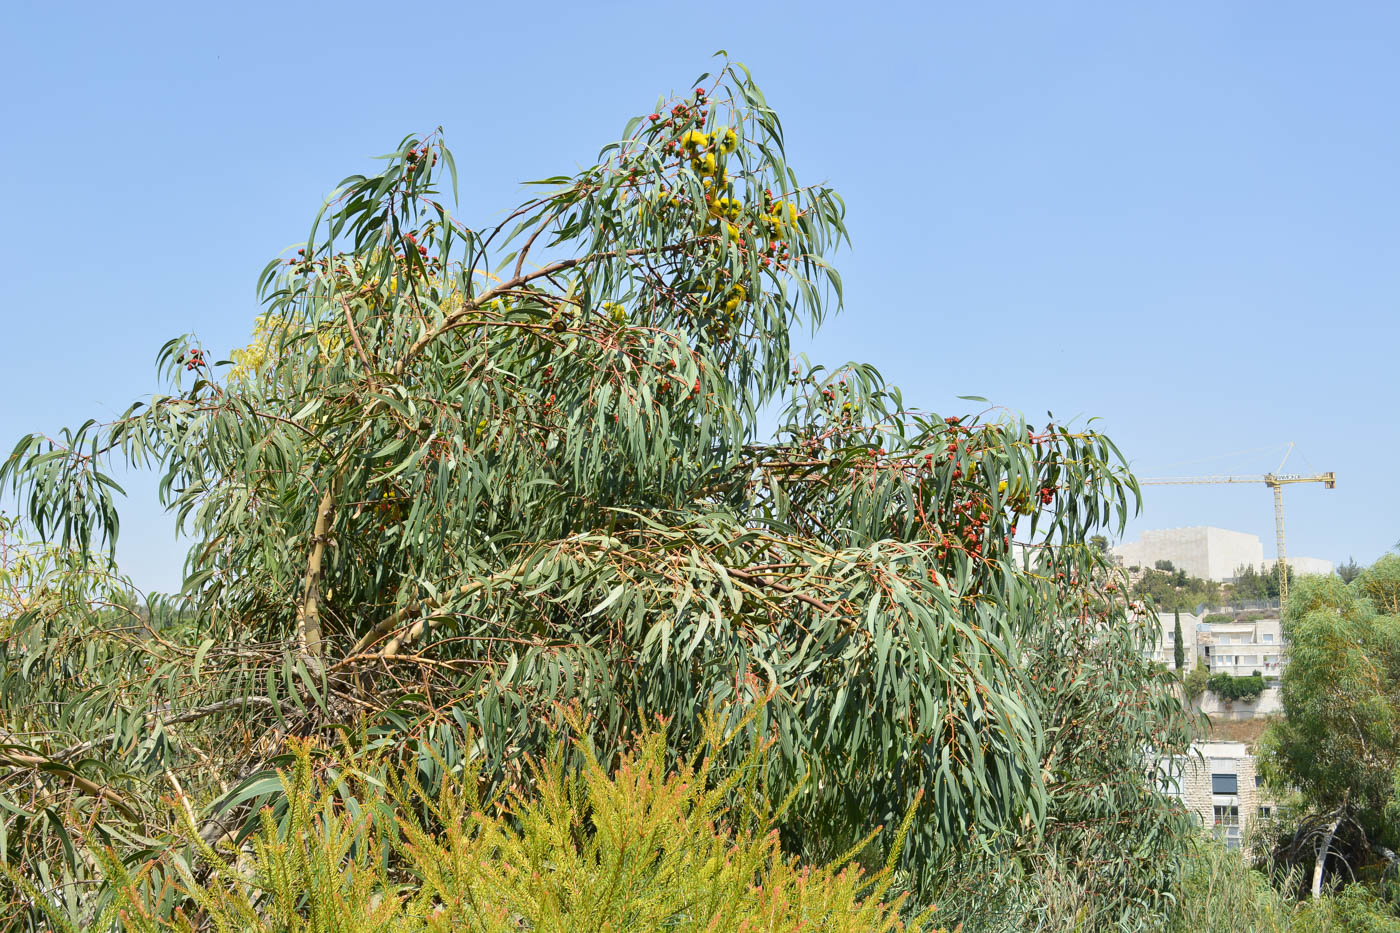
{"type": "Point", "coordinates": [694, 139]}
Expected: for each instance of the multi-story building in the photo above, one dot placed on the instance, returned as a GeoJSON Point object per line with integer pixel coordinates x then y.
{"type": "Point", "coordinates": [1241, 648]}
{"type": "Point", "coordinates": [1220, 785]}
{"type": "Point", "coordinates": [1166, 645]}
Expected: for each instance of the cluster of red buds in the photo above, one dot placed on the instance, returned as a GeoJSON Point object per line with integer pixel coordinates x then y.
{"type": "Point", "coordinates": [194, 360]}
{"type": "Point", "coordinates": [683, 116]}
{"type": "Point", "coordinates": [415, 154]}
{"type": "Point", "coordinates": [414, 244]}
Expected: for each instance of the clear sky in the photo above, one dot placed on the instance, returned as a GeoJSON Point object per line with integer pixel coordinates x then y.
{"type": "Point", "coordinates": [1181, 218]}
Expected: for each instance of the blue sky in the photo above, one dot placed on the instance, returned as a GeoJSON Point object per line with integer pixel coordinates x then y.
{"type": "Point", "coordinates": [1180, 218]}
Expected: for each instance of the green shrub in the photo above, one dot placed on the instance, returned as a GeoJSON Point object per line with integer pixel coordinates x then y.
{"type": "Point", "coordinates": [1222, 894]}
{"type": "Point", "coordinates": [648, 848]}
{"type": "Point", "coordinates": [1229, 687]}
{"type": "Point", "coordinates": [1195, 682]}
{"type": "Point", "coordinates": [1214, 617]}
{"type": "Point", "coordinates": [1353, 909]}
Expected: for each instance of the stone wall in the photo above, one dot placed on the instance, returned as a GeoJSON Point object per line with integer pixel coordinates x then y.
{"type": "Point", "coordinates": [1270, 703]}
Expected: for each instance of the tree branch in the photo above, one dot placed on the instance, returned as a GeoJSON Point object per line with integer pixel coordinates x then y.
{"type": "Point", "coordinates": [309, 610]}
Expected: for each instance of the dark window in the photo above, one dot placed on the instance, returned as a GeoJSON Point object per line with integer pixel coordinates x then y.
{"type": "Point", "coordinates": [1224, 784]}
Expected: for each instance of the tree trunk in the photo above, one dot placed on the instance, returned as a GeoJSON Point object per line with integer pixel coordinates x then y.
{"type": "Point", "coordinates": [309, 610]}
{"type": "Point", "coordinates": [1322, 854]}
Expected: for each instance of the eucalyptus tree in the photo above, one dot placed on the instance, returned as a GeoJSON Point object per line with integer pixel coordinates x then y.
{"type": "Point", "coordinates": [469, 478]}
{"type": "Point", "coordinates": [1338, 744]}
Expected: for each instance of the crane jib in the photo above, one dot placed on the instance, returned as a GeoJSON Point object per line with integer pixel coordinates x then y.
{"type": "Point", "coordinates": [1274, 481]}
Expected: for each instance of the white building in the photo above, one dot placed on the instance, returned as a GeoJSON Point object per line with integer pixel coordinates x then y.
{"type": "Point", "coordinates": [1166, 645]}
{"type": "Point", "coordinates": [1304, 566]}
{"type": "Point", "coordinates": [1241, 648]}
{"type": "Point", "coordinates": [1208, 553]}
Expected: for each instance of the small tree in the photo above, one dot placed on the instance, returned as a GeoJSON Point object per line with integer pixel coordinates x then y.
{"type": "Point", "coordinates": [1271, 579]}
{"type": "Point", "coordinates": [1248, 584]}
{"type": "Point", "coordinates": [1178, 643]}
{"type": "Point", "coordinates": [1165, 565]}
{"type": "Point", "coordinates": [1194, 683]}
{"type": "Point", "coordinates": [1349, 571]}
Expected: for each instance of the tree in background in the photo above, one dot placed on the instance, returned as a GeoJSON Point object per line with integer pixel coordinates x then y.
{"type": "Point", "coordinates": [469, 480]}
{"type": "Point", "coordinates": [1178, 643]}
{"type": "Point", "coordinates": [1380, 583]}
{"type": "Point", "coordinates": [1349, 571]}
{"type": "Point", "coordinates": [1166, 565]}
{"type": "Point", "coordinates": [1271, 578]}
{"type": "Point", "coordinates": [1195, 682]}
{"type": "Point", "coordinates": [1339, 743]}
{"type": "Point", "coordinates": [1248, 584]}
{"type": "Point", "coordinates": [1174, 590]}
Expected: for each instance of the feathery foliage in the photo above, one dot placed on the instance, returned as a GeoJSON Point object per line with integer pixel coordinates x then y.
{"type": "Point", "coordinates": [646, 848]}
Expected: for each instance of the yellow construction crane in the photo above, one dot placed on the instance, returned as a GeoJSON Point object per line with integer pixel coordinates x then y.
{"type": "Point", "coordinates": [1275, 481]}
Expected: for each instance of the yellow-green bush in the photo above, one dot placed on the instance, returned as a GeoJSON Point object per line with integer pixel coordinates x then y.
{"type": "Point", "coordinates": [649, 848]}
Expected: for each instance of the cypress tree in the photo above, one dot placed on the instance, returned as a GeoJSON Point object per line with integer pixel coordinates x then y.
{"type": "Point", "coordinates": [1177, 642]}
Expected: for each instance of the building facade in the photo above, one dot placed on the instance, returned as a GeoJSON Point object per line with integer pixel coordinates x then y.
{"type": "Point", "coordinates": [1208, 553]}
{"type": "Point", "coordinates": [1220, 786]}
{"type": "Point", "coordinates": [1241, 648]}
{"type": "Point", "coordinates": [1204, 552]}
{"type": "Point", "coordinates": [1305, 566]}
{"type": "Point", "coordinates": [1166, 644]}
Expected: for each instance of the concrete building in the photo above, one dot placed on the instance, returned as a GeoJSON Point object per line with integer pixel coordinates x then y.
{"type": "Point", "coordinates": [1220, 785]}
{"type": "Point", "coordinates": [1241, 648]}
{"type": "Point", "coordinates": [1304, 566]}
{"type": "Point", "coordinates": [1208, 553]}
{"type": "Point", "coordinates": [1166, 645]}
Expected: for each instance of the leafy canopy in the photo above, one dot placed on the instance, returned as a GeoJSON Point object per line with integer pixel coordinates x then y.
{"type": "Point", "coordinates": [1339, 742]}
{"type": "Point", "coordinates": [467, 478]}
